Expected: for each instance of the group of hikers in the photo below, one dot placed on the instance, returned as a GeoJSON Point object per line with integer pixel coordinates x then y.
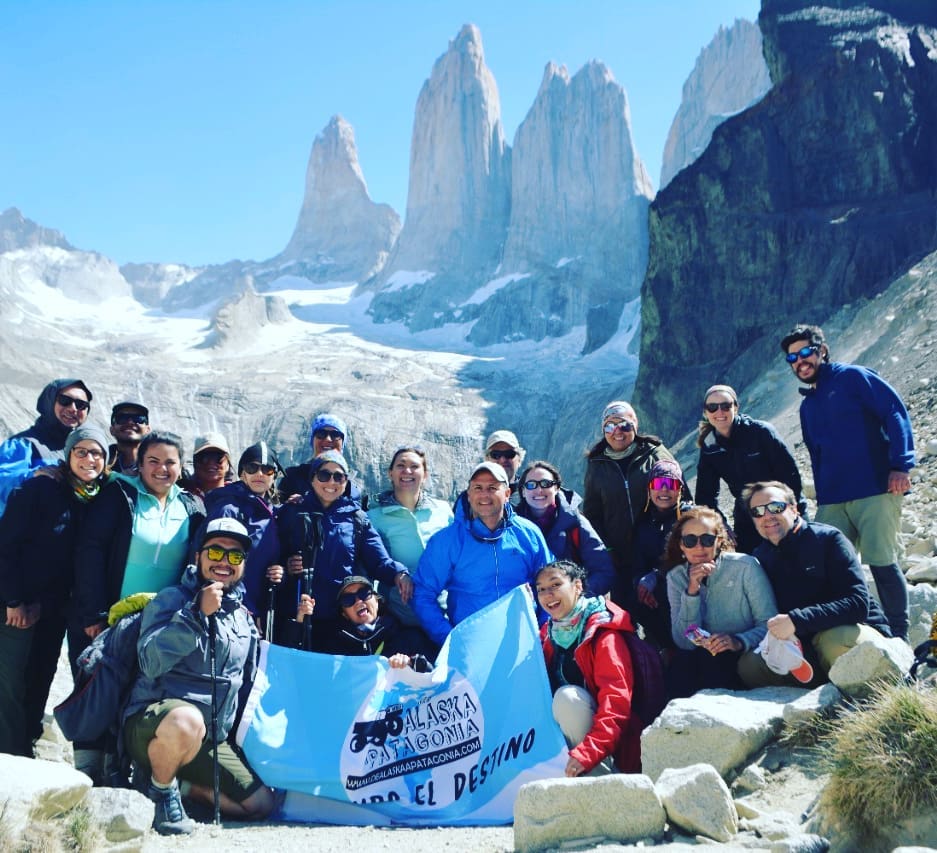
{"type": "Point", "coordinates": [302, 558]}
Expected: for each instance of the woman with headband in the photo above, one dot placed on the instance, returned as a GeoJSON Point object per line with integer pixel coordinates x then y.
{"type": "Point", "coordinates": [737, 449]}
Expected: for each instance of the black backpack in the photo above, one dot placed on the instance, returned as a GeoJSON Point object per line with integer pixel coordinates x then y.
{"type": "Point", "coordinates": [107, 670]}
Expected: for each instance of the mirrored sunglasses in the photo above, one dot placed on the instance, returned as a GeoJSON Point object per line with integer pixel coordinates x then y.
{"type": "Point", "coordinates": [234, 556]}
{"type": "Point", "coordinates": [806, 352]}
{"type": "Point", "coordinates": [773, 507]}
{"type": "Point", "coordinates": [624, 426]}
{"type": "Point", "coordinates": [671, 483]}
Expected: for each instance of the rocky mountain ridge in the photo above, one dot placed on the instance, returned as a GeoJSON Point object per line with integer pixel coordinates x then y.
{"type": "Point", "coordinates": [818, 195]}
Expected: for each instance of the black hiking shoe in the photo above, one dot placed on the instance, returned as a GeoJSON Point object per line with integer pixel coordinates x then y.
{"type": "Point", "coordinates": [170, 817]}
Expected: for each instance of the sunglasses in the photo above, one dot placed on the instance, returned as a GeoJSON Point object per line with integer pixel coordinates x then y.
{"type": "Point", "coordinates": [84, 453]}
{"type": "Point", "coordinates": [254, 467]}
{"type": "Point", "coordinates": [324, 476]}
{"type": "Point", "coordinates": [712, 408]}
{"type": "Point", "coordinates": [671, 483]}
{"type": "Point", "coordinates": [235, 556]}
{"type": "Point", "coordinates": [130, 418]}
{"type": "Point", "coordinates": [530, 485]}
{"type": "Point", "coordinates": [806, 352]}
{"type": "Point", "coordinates": [333, 434]}
{"type": "Point", "coordinates": [502, 454]}
{"type": "Point", "coordinates": [209, 457]}
{"type": "Point", "coordinates": [65, 401]}
{"type": "Point", "coordinates": [624, 426]}
{"type": "Point", "coordinates": [347, 599]}
{"type": "Point", "coordinates": [690, 540]}
{"type": "Point", "coordinates": [774, 507]}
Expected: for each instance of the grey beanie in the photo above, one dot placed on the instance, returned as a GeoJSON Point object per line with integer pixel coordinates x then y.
{"type": "Point", "coordinates": [90, 432]}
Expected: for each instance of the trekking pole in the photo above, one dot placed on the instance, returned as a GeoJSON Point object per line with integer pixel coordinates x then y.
{"type": "Point", "coordinates": [310, 549]}
{"type": "Point", "coordinates": [215, 773]}
{"type": "Point", "coordinates": [271, 604]}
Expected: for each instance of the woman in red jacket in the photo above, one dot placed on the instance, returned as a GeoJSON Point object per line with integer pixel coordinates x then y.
{"type": "Point", "coordinates": [590, 671]}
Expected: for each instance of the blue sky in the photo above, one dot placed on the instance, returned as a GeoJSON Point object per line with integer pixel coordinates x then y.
{"type": "Point", "coordinates": [180, 131]}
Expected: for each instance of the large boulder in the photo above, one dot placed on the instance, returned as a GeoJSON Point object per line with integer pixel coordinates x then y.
{"type": "Point", "coordinates": [717, 727]}
{"type": "Point", "coordinates": [879, 659]}
{"type": "Point", "coordinates": [698, 801]}
{"type": "Point", "coordinates": [33, 791]}
{"type": "Point", "coordinates": [620, 807]}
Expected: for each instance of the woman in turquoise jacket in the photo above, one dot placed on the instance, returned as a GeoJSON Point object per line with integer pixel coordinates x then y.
{"type": "Point", "coordinates": [406, 517]}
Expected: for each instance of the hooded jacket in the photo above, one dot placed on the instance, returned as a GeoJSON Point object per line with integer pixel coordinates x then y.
{"type": "Point", "coordinates": [175, 657]}
{"type": "Point", "coordinates": [857, 430]}
{"type": "Point", "coordinates": [476, 566]}
{"type": "Point", "coordinates": [605, 662]}
{"type": "Point", "coordinates": [236, 500]}
{"type": "Point", "coordinates": [615, 494]}
{"type": "Point", "coordinates": [572, 537]}
{"type": "Point", "coordinates": [42, 444]}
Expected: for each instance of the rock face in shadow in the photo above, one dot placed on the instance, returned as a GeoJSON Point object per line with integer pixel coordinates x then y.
{"type": "Point", "coordinates": [730, 74]}
{"type": "Point", "coordinates": [815, 197]}
{"type": "Point", "coordinates": [579, 198]}
{"type": "Point", "coordinates": [341, 235]}
{"type": "Point", "coordinates": [458, 199]}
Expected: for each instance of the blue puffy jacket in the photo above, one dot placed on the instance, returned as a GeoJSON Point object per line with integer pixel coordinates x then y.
{"type": "Point", "coordinates": [857, 430]}
{"type": "Point", "coordinates": [476, 566]}
{"type": "Point", "coordinates": [348, 545]}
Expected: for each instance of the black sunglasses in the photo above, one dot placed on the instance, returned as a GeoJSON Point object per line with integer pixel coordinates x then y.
{"type": "Point", "coordinates": [712, 408]}
{"type": "Point", "coordinates": [65, 401]}
{"type": "Point", "coordinates": [324, 476]}
{"type": "Point", "coordinates": [806, 352]}
{"type": "Point", "coordinates": [254, 467]}
{"type": "Point", "coordinates": [530, 485]}
{"type": "Point", "coordinates": [707, 540]}
{"type": "Point", "coordinates": [347, 599]}
{"type": "Point", "coordinates": [502, 454]}
{"type": "Point", "coordinates": [333, 434]}
{"type": "Point", "coordinates": [130, 418]}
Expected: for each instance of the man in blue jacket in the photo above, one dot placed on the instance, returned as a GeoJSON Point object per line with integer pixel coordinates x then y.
{"type": "Point", "coordinates": [486, 552]}
{"type": "Point", "coordinates": [858, 433]}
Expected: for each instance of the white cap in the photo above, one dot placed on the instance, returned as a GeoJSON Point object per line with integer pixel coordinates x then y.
{"type": "Point", "coordinates": [227, 527]}
{"type": "Point", "coordinates": [785, 656]}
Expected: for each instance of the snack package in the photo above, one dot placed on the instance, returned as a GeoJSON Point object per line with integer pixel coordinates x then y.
{"type": "Point", "coordinates": [695, 634]}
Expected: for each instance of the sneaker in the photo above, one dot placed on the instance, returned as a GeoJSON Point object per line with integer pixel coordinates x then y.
{"type": "Point", "coordinates": [170, 817]}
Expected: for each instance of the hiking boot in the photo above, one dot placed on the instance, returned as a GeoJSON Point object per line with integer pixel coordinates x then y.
{"type": "Point", "coordinates": [170, 817]}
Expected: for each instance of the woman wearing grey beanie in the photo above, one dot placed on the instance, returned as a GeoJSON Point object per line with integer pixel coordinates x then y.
{"type": "Point", "coordinates": [37, 543]}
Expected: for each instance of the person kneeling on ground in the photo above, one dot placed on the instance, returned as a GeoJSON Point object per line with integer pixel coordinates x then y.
{"type": "Point", "coordinates": [823, 599]}
{"type": "Point", "coordinates": [591, 673]}
{"type": "Point", "coordinates": [168, 720]}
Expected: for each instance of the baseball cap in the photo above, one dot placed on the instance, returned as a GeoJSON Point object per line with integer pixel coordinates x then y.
{"type": "Point", "coordinates": [230, 527]}
{"type": "Point", "coordinates": [785, 656]}
{"type": "Point", "coordinates": [504, 436]}
{"type": "Point", "coordinates": [492, 468]}
{"type": "Point", "coordinates": [211, 441]}
{"type": "Point", "coordinates": [129, 404]}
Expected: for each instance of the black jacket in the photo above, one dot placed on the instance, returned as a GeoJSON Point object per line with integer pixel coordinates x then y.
{"type": "Point", "coordinates": [37, 542]}
{"type": "Point", "coordinates": [818, 581]}
{"type": "Point", "coordinates": [616, 492]}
